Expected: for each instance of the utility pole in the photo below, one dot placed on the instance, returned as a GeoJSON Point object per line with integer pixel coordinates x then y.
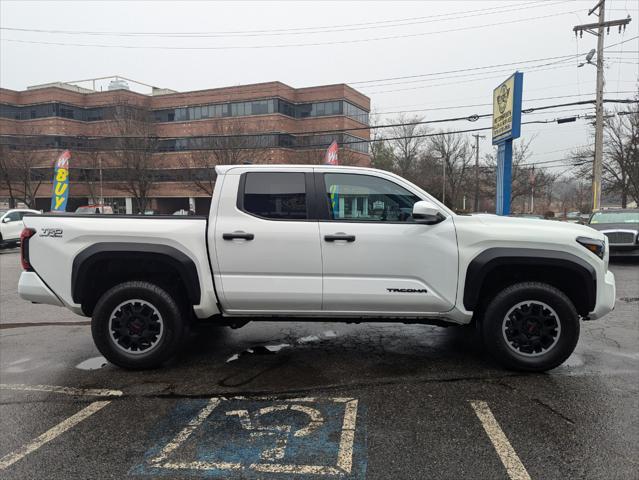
{"type": "Point", "coordinates": [477, 137]}
{"type": "Point", "coordinates": [589, 27]}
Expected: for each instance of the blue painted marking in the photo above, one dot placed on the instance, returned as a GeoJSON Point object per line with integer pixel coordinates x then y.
{"type": "Point", "coordinates": [224, 438]}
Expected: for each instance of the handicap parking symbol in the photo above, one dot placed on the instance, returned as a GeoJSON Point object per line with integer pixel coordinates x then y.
{"type": "Point", "coordinates": [243, 437]}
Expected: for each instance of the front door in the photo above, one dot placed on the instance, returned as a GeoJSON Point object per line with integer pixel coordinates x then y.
{"type": "Point", "coordinates": [13, 226]}
{"type": "Point", "coordinates": [267, 245]}
{"type": "Point", "coordinates": [376, 259]}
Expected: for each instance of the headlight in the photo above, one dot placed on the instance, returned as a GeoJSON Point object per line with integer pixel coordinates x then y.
{"type": "Point", "coordinates": [598, 247]}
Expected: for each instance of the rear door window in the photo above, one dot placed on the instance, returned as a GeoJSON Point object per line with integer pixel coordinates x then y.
{"type": "Point", "coordinates": [275, 195]}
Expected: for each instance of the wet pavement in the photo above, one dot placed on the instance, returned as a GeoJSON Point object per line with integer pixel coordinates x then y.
{"type": "Point", "coordinates": [279, 400]}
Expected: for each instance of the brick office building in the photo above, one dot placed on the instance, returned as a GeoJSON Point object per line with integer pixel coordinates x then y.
{"type": "Point", "coordinates": [177, 137]}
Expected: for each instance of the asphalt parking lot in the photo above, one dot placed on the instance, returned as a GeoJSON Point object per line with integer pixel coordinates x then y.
{"type": "Point", "coordinates": [315, 400]}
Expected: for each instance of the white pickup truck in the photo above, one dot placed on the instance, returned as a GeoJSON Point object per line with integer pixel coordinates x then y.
{"type": "Point", "coordinates": [326, 243]}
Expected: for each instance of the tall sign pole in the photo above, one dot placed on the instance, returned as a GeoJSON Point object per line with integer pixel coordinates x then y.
{"type": "Point", "coordinates": [601, 25]}
{"type": "Point", "coordinates": [506, 127]}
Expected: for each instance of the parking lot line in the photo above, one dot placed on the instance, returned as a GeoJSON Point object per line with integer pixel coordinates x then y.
{"type": "Point", "coordinates": [507, 454]}
{"type": "Point", "coordinates": [92, 392]}
{"type": "Point", "coordinates": [186, 432]}
{"type": "Point", "coordinates": [52, 433]}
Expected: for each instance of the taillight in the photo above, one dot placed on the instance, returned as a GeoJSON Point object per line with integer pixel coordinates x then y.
{"type": "Point", "coordinates": [26, 234]}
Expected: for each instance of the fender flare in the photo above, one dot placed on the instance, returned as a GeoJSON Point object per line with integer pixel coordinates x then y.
{"type": "Point", "coordinates": [87, 258]}
{"type": "Point", "coordinates": [484, 263]}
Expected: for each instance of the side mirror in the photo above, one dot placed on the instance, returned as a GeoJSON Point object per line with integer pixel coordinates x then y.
{"type": "Point", "coordinates": [6, 220]}
{"type": "Point", "coordinates": [427, 213]}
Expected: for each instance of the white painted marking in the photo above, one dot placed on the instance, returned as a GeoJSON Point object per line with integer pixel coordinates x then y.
{"type": "Point", "coordinates": [507, 454]}
{"type": "Point", "coordinates": [186, 432]}
{"type": "Point", "coordinates": [295, 469]}
{"type": "Point", "coordinates": [94, 363]}
{"type": "Point", "coordinates": [51, 434]}
{"type": "Point", "coordinates": [202, 466]}
{"type": "Point", "coordinates": [345, 452]}
{"type": "Point", "coordinates": [91, 392]}
{"type": "Point", "coordinates": [330, 334]}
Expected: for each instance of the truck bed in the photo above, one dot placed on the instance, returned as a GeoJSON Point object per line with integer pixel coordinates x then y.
{"type": "Point", "coordinates": [59, 238]}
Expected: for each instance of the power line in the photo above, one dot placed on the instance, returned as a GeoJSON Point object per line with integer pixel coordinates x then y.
{"type": "Point", "coordinates": [288, 45]}
{"type": "Point", "coordinates": [301, 30]}
{"type": "Point", "coordinates": [451, 107]}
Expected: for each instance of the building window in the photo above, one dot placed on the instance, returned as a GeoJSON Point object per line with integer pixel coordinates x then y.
{"type": "Point", "coordinates": [279, 196]}
{"type": "Point", "coordinates": [366, 198]}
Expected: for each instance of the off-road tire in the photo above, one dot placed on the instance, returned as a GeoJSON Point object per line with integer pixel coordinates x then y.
{"type": "Point", "coordinates": [167, 313]}
{"type": "Point", "coordinates": [496, 328]}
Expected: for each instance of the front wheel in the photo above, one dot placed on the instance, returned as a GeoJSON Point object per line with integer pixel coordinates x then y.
{"type": "Point", "coordinates": [531, 326]}
{"type": "Point", "coordinates": [137, 325]}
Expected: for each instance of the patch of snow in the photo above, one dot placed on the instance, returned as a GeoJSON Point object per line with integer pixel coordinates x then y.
{"type": "Point", "coordinates": [309, 339]}
{"type": "Point", "coordinates": [276, 348]}
{"type": "Point", "coordinates": [329, 334]}
{"type": "Point", "coordinates": [94, 363]}
{"type": "Point", "coordinates": [232, 358]}
{"type": "Point", "coordinates": [21, 360]}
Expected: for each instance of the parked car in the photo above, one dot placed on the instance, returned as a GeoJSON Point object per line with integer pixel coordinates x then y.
{"type": "Point", "coordinates": [184, 211]}
{"type": "Point", "coordinates": [95, 209]}
{"type": "Point", "coordinates": [11, 225]}
{"type": "Point", "coordinates": [326, 243]}
{"type": "Point", "coordinates": [621, 226]}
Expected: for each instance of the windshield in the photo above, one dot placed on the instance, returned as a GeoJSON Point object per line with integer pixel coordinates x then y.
{"type": "Point", "coordinates": [615, 217]}
{"type": "Point", "coordinates": [85, 210]}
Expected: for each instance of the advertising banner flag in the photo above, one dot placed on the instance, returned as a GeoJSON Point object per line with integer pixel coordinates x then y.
{"type": "Point", "coordinates": [60, 193]}
{"type": "Point", "coordinates": [331, 154]}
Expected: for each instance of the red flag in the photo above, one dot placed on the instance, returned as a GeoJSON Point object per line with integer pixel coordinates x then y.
{"type": "Point", "coordinates": [331, 154]}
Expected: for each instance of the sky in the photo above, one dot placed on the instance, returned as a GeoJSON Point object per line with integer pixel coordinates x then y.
{"type": "Point", "coordinates": [426, 59]}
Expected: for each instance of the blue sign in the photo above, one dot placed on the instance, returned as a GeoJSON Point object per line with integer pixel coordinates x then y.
{"type": "Point", "coordinates": [506, 127]}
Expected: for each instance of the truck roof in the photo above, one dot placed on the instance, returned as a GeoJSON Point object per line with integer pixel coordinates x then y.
{"type": "Point", "coordinates": [223, 169]}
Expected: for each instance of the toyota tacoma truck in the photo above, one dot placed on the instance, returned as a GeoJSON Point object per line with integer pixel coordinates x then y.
{"type": "Point", "coordinates": [323, 243]}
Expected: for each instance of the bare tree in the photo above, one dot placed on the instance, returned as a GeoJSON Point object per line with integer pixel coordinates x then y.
{"type": "Point", "coordinates": [407, 143]}
{"type": "Point", "coordinates": [136, 142]}
{"type": "Point", "coordinates": [526, 179]}
{"type": "Point", "coordinates": [232, 145]}
{"type": "Point", "coordinates": [380, 151]}
{"type": "Point", "coordinates": [620, 165]}
{"type": "Point", "coordinates": [7, 173]}
{"type": "Point", "coordinates": [20, 175]}
{"type": "Point", "coordinates": [89, 174]}
{"type": "Point", "coordinates": [454, 153]}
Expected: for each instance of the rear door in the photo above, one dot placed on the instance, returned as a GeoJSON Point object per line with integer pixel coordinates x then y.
{"type": "Point", "coordinates": [376, 259]}
{"type": "Point", "coordinates": [266, 241]}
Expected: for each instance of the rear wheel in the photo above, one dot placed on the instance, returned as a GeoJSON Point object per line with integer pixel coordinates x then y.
{"type": "Point", "coordinates": [137, 325]}
{"type": "Point", "coordinates": [531, 326]}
